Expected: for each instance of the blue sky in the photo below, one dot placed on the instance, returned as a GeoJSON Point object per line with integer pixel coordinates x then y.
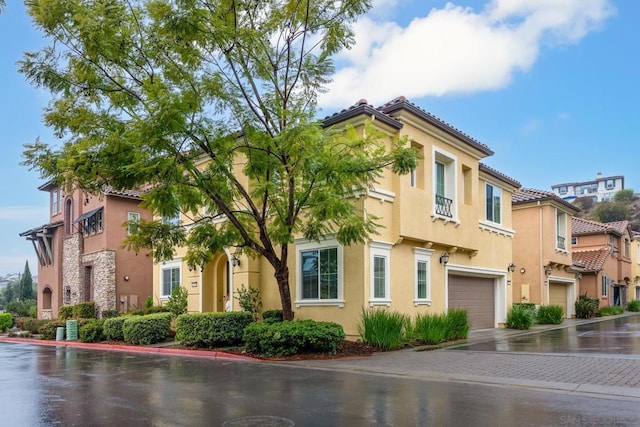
{"type": "Point", "coordinates": [551, 86]}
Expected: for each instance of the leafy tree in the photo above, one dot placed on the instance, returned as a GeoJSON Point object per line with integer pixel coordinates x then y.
{"type": "Point", "coordinates": [611, 211]}
{"type": "Point", "coordinates": [208, 105]}
{"type": "Point", "coordinates": [624, 196]}
{"type": "Point", "coordinates": [26, 283]}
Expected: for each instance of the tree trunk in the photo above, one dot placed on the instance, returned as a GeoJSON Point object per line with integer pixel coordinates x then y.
{"type": "Point", "coordinates": [282, 277]}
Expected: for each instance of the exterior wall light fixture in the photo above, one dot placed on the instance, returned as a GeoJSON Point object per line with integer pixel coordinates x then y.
{"type": "Point", "coordinates": [548, 271]}
{"type": "Point", "coordinates": [444, 258]}
{"type": "Point", "coordinates": [235, 261]}
{"type": "Point", "coordinates": [511, 267]}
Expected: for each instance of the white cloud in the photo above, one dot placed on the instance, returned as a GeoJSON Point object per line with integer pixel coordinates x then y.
{"type": "Point", "coordinates": [455, 49]}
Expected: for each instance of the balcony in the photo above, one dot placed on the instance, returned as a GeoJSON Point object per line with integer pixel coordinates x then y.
{"type": "Point", "coordinates": [443, 206]}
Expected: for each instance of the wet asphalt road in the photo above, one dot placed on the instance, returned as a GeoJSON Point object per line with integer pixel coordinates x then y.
{"type": "Point", "coordinates": [43, 386]}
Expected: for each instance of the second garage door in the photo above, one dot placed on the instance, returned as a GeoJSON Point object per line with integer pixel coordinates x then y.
{"type": "Point", "coordinates": [476, 295]}
{"type": "Point", "coordinates": [558, 296]}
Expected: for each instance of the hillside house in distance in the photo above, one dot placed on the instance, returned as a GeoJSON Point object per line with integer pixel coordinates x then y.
{"type": "Point", "coordinates": [600, 189]}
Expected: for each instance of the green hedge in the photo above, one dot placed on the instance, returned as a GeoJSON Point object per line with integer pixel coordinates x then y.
{"type": "Point", "coordinates": [92, 331]}
{"type": "Point", "coordinates": [293, 337]}
{"type": "Point", "coordinates": [84, 310]}
{"type": "Point", "coordinates": [210, 330]}
{"type": "Point", "coordinates": [65, 312]}
{"type": "Point", "coordinates": [610, 310]}
{"type": "Point", "coordinates": [634, 305]}
{"type": "Point", "coordinates": [145, 330]}
{"type": "Point", "coordinates": [550, 315]}
{"type": "Point", "coordinates": [47, 330]}
{"type": "Point", "coordinates": [30, 324]}
{"type": "Point", "coordinates": [107, 314]}
{"type": "Point", "coordinates": [112, 328]}
{"type": "Point", "coordinates": [6, 321]}
{"type": "Point", "coordinates": [274, 315]}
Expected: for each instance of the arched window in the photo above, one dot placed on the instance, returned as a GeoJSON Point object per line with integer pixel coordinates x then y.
{"type": "Point", "coordinates": [68, 216]}
{"type": "Point", "coordinates": [46, 298]}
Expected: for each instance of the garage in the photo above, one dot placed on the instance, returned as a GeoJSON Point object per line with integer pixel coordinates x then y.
{"type": "Point", "coordinates": [477, 296]}
{"type": "Point", "coordinates": [558, 296]}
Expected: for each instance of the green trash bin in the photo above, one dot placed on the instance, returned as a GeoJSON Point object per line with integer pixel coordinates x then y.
{"type": "Point", "coordinates": [72, 330]}
{"type": "Point", "coordinates": [59, 333]}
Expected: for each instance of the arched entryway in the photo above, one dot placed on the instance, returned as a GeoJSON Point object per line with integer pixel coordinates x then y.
{"type": "Point", "coordinates": [217, 281]}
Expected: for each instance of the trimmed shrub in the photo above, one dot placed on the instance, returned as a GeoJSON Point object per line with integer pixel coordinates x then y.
{"type": "Point", "coordinates": [92, 331]}
{"type": "Point", "coordinates": [210, 330]}
{"type": "Point", "coordinates": [107, 314]}
{"type": "Point", "coordinates": [384, 329]}
{"type": "Point", "coordinates": [634, 305]}
{"type": "Point", "coordinates": [112, 328]}
{"type": "Point", "coordinates": [611, 310]}
{"type": "Point", "coordinates": [84, 310]}
{"type": "Point", "coordinates": [293, 337]}
{"type": "Point", "coordinates": [520, 317]}
{"type": "Point", "coordinates": [48, 329]}
{"type": "Point", "coordinates": [65, 312]}
{"type": "Point", "coordinates": [156, 309]}
{"type": "Point", "coordinates": [145, 330]}
{"type": "Point", "coordinates": [458, 322]}
{"type": "Point", "coordinates": [30, 324]}
{"type": "Point", "coordinates": [550, 315]}
{"type": "Point", "coordinates": [272, 315]}
{"type": "Point", "coordinates": [6, 321]}
{"type": "Point", "coordinates": [586, 306]}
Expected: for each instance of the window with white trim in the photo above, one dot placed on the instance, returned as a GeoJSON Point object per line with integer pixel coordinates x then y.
{"type": "Point", "coordinates": [170, 276]}
{"type": "Point", "coordinates": [380, 272]}
{"type": "Point", "coordinates": [422, 272]}
{"type": "Point", "coordinates": [319, 272]}
{"type": "Point", "coordinates": [133, 219]}
{"type": "Point", "coordinates": [55, 201]}
{"type": "Point", "coordinates": [561, 230]}
{"type": "Point", "coordinates": [444, 185]}
{"type": "Point", "coordinates": [493, 198]}
{"type": "Point", "coordinates": [605, 285]}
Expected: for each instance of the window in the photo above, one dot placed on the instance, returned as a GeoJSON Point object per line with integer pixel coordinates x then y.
{"type": "Point", "coordinates": [422, 259]}
{"type": "Point", "coordinates": [380, 274]}
{"type": "Point", "coordinates": [133, 218]}
{"type": "Point", "coordinates": [444, 185]}
{"type": "Point", "coordinates": [173, 219]}
{"type": "Point", "coordinates": [562, 189]}
{"type": "Point", "coordinates": [493, 207]}
{"type": "Point", "coordinates": [92, 222]}
{"type": "Point", "coordinates": [46, 298]}
{"type": "Point", "coordinates": [605, 285]}
{"type": "Point", "coordinates": [610, 184]}
{"type": "Point", "coordinates": [574, 240]}
{"type": "Point", "coordinates": [319, 273]}
{"type": "Point", "coordinates": [170, 274]}
{"type": "Point", "coordinates": [55, 201]}
{"type": "Point", "coordinates": [561, 230]}
{"type": "Point", "coordinates": [612, 243]}
{"type": "Point", "coordinates": [414, 177]}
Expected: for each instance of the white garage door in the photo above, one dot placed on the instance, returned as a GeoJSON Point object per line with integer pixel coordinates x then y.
{"type": "Point", "coordinates": [477, 296]}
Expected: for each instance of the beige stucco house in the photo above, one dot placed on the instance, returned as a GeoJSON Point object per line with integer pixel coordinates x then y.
{"type": "Point", "coordinates": [544, 272]}
{"type": "Point", "coordinates": [634, 290]}
{"type": "Point", "coordinates": [604, 250]}
{"type": "Point", "coordinates": [446, 239]}
{"type": "Point", "coordinates": [80, 252]}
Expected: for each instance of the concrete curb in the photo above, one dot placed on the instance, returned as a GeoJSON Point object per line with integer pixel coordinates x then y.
{"type": "Point", "coordinates": [216, 355]}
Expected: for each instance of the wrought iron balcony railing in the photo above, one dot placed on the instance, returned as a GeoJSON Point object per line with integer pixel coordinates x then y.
{"type": "Point", "coordinates": [443, 206]}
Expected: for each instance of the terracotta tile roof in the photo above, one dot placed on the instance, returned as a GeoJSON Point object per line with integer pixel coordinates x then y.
{"type": "Point", "coordinates": [591, 259]}
{"type": "Point", "coordinates": [499, 175]}
{"type": "Point", "coordinates": [131, 194]}
{"type": "Point", "coordinates": [584, 226]}
{"type": "Point", "coordinates": [528, 195]}
{"type": "Point", "coordinates": [361, 107]}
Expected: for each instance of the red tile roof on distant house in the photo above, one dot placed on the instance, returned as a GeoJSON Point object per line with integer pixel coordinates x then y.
{"type": "Point", "coordinates": [592, 260]}
{"type": "Point", "coordinates": [581, 226]}
{"type": "Point", "coordinates": [528, 195]}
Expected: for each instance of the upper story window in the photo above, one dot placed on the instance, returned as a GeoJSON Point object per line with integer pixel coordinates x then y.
{"type": "Point", "coordinates": [561, 230]}
{"type": "Point", "coordinates": [611, 183]}
{"type": "Point", "coordinates": [319, 273]}
{"type": "Point", "coordinates": [562, 189]}
{"type": "Point", "coordinates": [55, 201]}
{"type": "Point", "coordinates": [171, 276]}
{"type": "Point", "coordinates": [444, 182]}
{"type": "Point", "coordinates": [612, 243]}
{"type": "Point", "coordinates": [92, 223]}
{"type": "Point", "coordinates": [493, 197]}
{"type": "Point", "coordinates": [133, 219]}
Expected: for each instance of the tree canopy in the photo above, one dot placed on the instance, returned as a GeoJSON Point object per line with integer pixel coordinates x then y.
{"type": "Point", "coordinates": [208, 105]}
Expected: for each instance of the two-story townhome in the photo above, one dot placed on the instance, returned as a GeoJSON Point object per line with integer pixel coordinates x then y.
{"type": "Point", "coordinates": [445, 241]}
{"type": "Point", "coordinates": [543, 272]}
{"type": "Point", "coordinates": [81, 256]}
{"type": "Point", "coordinates": [601, 189]}
{"type": "Point", "coordinates": [604, 250]}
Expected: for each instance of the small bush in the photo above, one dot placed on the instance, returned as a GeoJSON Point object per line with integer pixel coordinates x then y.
{"type": "Point", "coordinates": [586, 306]}
{"type": "Point", "coordinates": [611, 310]}
{"type": "Point", "coordinates": [293, 337]}
{"type": "Point", "coordinates": [431, 328]}
{"type": "Point", "coordinates": [249, 300]}
{"type": "Point", "coordinates": [65, 312]}
{"type": "Point", "coordinates": [634, 305]}
{"type": "Point", "coordinates": [30, 324]}
{"type": "Point", "coordinates": [210, 330]}
{"type": "Point", "coordinates": [148, 303]}
{"type": "Point", "coordinates": [145, 330]}
{"type": "Point", "coordinates": [272, 316]}
{"type": "Point", "coordinates": [550, 315]}
{"type": "Point", "coordinates": [520, 317]}
{"type": "Point", "coordinates": [84, 310]}
{"type": "Point", "coordinates": [6, 321]}
{"type": "Point", "coordinates": [107, 314]}
{"type": "Point", "coordinates": [178, 301]}
{"type": "Point", "coordinates": [112, 328]}
{"type": "Point", "coordinates": [384, 329]}
{"type": "Point", "coordinates": [92, 331]}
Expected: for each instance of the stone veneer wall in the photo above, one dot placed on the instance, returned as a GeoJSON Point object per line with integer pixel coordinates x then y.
{"type": "Point", "coordinates": [73, 246]}
{"type": "Point", "coordinates": [104, 279]}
